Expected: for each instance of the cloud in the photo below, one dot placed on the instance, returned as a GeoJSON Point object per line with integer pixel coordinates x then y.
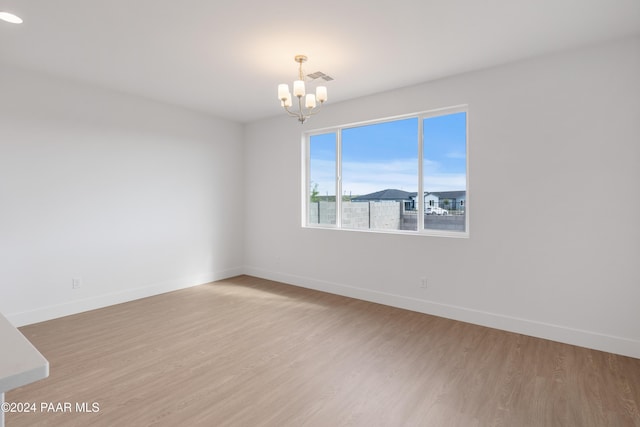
{"type": "Point", "coordinates": [323, 173]}
{"type": "Point", "coordinates": [368, 177]}
{"type": "Point", "coordinates": [360, 178]}
{"type": "Point", "coordinates": [445, 182]}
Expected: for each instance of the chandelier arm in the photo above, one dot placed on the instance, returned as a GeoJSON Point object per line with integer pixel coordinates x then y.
{"type": "Point", "coordinates": [304, 113]}
{"type": "Point", "coordinates": [291, 113]}
{"type": "Point", "coordinates": [302, 116]}
{"type": "Point", "coordinates": [314, 110]}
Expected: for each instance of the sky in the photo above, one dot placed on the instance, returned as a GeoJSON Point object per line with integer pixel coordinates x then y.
{"type": "Point", "coordinates": [385, 155]}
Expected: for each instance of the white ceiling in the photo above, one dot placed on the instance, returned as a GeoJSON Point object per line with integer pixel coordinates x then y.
{"type": "Point", "coordinates": [226, 58]}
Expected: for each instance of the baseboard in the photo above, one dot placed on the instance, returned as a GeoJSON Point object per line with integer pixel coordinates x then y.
{"type": "Point", "coordinates": [582, 338]}
{"type": "Point", "coordinates": [78, 306]}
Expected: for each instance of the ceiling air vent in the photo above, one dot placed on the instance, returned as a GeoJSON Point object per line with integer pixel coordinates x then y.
{"type": "Point", "coordinates": [318, 75]}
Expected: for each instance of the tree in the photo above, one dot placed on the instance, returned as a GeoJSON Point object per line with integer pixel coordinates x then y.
{"type": "Point", "coordinates": [314, 192]}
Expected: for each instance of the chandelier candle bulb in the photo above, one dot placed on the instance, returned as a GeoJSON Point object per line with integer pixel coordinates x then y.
{"type": "Point", "coordinates": [298, 88]}
{"type": "Point", "coordinates": [310, 101]}
{"type": "Point", "coordinates": [286, 102]}
{"type": "Point", "coordinates": [321, 93]}
{"type": "Point", "coordinates": [283, 91]}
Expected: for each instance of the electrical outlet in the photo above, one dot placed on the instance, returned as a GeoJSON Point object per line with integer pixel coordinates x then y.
{"type": "Point", "coordinates": [76, 282]}
{"type": "Point", "coordinates": [423, 282]}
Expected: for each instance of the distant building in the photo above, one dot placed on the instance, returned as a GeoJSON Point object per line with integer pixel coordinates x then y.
{"type": "Point", "coordinates": [444, 199]}
{"type": "Point", "coordinates": [388, 195]}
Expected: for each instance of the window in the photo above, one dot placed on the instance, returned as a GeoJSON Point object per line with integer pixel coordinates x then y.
{"type": "Point", "coordinates": [379, 171]}
{"type": "Point", "coordinates": [322, 179]}
{"type": "Point", "coordinates": [405, 175]}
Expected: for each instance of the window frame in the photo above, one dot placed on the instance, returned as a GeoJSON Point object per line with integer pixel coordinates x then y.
{"type": "Point", "coordinates": [421, 206]}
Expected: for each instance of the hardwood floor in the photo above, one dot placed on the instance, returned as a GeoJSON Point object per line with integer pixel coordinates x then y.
{"type": "Point", "coordinates": [250, 352]}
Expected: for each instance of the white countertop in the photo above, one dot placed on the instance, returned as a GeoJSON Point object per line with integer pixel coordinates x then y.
{"type": "Point", "coordinates": [20, 362]}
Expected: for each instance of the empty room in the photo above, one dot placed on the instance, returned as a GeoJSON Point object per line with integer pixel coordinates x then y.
{"type": "Point", "coordinates": [414, 213]}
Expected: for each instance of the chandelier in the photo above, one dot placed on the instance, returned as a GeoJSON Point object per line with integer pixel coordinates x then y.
{"type": "Point", "coordinates": [302, 113]}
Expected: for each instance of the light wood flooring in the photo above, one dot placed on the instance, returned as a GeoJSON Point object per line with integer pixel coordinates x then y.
{"type": "Point", "coordinates": [251, 352]}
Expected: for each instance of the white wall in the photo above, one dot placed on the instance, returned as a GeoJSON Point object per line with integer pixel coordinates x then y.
{"type": "Point", "coordinates": [134, 197]}
{"type": "Point", "coordinates": [137, 198]}
{"type": "Point", "coordinates": [548, 137]}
